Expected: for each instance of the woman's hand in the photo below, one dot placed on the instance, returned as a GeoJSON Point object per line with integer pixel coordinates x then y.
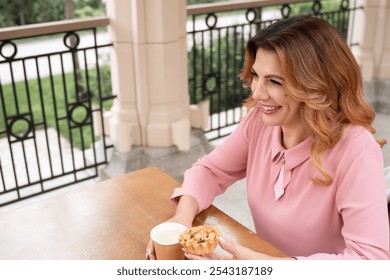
{"type": "Point", "coordinates": [236, 251]}
{"type": "Point", "coordinates": [186, 210]}
{"type": "Point", "coordinates": [150, 253]}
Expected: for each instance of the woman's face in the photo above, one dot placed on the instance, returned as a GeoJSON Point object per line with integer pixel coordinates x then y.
{"type": "Point", "coordinates": [270, 93]}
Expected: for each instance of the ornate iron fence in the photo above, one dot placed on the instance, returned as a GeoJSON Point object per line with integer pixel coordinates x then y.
{"type": "Point", "coordinates": [52, 91]}
{"type": "Point", "coordinates": [217, 36]}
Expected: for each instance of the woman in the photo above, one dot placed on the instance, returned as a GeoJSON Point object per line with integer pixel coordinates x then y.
{"type": "Point", "coordinates": [314, 171]}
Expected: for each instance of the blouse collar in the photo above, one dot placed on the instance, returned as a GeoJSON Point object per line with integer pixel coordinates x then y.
{"type": "Point", "coordinates": [292, 157]}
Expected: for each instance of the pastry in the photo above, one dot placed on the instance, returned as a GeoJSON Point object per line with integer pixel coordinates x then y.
{"type": "Point", "coordinates": [200, 240]}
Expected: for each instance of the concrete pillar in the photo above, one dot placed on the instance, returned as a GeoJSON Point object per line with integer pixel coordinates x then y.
{"type": "Point", "coordinates": [150, 122]}
{"type": "Point", "coordinates": [167, 71]}
{"type": "Point", "coordinates": [124, 127]}
{"type": "Point", "coordinates": [372, 35]}
{"type": "Point", "coordinates": [383, 71]}
{"type": "Point", "coordinates": [371, 32]}
{"type": "Point", "coordinates": [149, 74]}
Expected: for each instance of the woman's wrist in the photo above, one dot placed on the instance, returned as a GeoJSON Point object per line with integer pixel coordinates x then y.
{"type": "Point", "coordinates": [186, 210]}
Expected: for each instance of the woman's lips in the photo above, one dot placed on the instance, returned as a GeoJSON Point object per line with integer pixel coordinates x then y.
{"type": "Point", "coordinates": [269, 109]}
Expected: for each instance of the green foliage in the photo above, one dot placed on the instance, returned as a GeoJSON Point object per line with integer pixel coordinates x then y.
{"type": "Point", "coordinates": [88, 12]}
{"type": "Point", "coordinates": [307, 8]}
{"type": "Point", "coordinates": [88, 8]}
{"type": "Point", "coordinates": [330, 10]}
{"type": "Point", "coordinates": [44, 11]}
{"type": "Point", "coordinates": [214, 72]}
{"type": "Point", "coordinates": [196, 2]}
{"type": "Point", "coordinates": [38, 11]}
{"type": "Point", "coordinates": [92, 87]}
{"type": "Point", "coordinates": [9, 13]}
{"type": "Point", "coordinates": [94, 4]}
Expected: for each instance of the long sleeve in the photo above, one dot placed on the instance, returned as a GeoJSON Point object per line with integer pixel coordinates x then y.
{"type": "Point", "coordinates": [214, 173]}
{"type": "Point", "coordinates": [361, 202]}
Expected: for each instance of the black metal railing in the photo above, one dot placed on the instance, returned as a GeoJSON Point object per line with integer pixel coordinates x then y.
{"type": "Point", "coordinates": [217, 36]}
{"type": "Point", "coordinates": [52, 91]}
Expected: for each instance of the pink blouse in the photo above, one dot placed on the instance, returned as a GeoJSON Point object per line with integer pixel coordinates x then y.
{"type": "Point", "coordinates": [346, 220]}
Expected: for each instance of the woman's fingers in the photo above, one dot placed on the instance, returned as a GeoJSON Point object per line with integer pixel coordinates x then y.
{"type": "Point", "coordinates": [195, 257]}
{"type": "Point", "coordinates": [211, 256]}
{"type": "Point", "coordinates": [150, 255]}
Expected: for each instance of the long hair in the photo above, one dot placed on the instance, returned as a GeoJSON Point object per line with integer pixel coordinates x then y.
{"type": "Point", "coordinates": [321, 72]}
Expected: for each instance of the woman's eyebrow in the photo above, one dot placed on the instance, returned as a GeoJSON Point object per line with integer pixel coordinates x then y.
{"type": "Point", "coordinates": [269, 76]}
{"type": "Point", "coordinates": [272, 76]}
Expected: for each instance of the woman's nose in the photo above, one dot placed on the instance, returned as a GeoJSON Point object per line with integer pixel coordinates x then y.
{"type": "Point", "coordinates": [259, 91]}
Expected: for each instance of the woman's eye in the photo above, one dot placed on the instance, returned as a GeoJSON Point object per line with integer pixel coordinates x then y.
{"type": "Point", "coordinates": [276, 82]}
{"type": "Point", "coordinates": [254, 74]}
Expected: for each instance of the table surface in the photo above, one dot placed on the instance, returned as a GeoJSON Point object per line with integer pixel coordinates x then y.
{"type": "Point", "coordinates": [109, 220]}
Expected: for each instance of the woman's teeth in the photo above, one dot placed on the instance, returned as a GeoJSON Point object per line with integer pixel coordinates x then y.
{"type": "Point", "coordinates": [270, 108]}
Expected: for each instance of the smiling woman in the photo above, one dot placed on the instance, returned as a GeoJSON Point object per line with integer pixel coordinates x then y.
{"type": "Point", "coordinates": [313, 169]}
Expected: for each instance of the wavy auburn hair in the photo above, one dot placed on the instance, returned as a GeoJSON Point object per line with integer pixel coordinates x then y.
{"type": "Point", "coordinates": [319, 71]}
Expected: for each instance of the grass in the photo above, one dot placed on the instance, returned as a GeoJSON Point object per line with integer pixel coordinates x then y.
{"type": "Point", "coordinates": [49, 102]}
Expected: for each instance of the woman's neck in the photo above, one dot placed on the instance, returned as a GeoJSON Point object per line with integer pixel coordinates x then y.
{"type": "Point", "coordinates": [293, 136]}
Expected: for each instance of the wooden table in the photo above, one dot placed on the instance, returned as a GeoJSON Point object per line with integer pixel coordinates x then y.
{"type": "Point", "coordinates": [109, 220]}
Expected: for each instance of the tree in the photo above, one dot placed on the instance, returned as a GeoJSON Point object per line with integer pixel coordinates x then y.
{"type": "Point", "coordinates": [44, 11]}
{"type": "Point", "coordinates": [22, 12]}
{"type": "Point", "coordinates": [9, 13]}
{"type": "Point", "coordinates": [69, 9]}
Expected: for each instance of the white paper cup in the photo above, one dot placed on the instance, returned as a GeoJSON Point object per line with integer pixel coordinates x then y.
{"type": "Point", "coordinates": [165, 238]}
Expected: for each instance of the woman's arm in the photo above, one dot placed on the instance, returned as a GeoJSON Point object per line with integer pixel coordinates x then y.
{"type": "Point", "coordinates": [361, 201]}
{"type": "Point", "coordinates": [212, 174]}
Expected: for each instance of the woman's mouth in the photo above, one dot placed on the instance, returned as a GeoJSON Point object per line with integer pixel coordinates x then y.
{"type": "Point", "coordinates": [269, 109]}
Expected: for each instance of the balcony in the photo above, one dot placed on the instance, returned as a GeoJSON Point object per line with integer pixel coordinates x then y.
{"type": "Point", "coordinates": [82, 99]}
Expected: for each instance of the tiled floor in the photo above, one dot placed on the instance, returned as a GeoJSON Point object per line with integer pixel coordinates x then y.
{"type": "Point", "coordinates": [382, 126]}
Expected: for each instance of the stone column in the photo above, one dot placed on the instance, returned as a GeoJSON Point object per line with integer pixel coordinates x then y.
{"type": "Point", "coordinates": [124, 128]}
{"type": "Point", "coordinates": [150, 120]}
{"type": "Point", "coordinates": [370, 30]}
{"type": "Point", "coordinates": [168, 116]}
{"type": "Point", "coordinates": [149, 74]}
